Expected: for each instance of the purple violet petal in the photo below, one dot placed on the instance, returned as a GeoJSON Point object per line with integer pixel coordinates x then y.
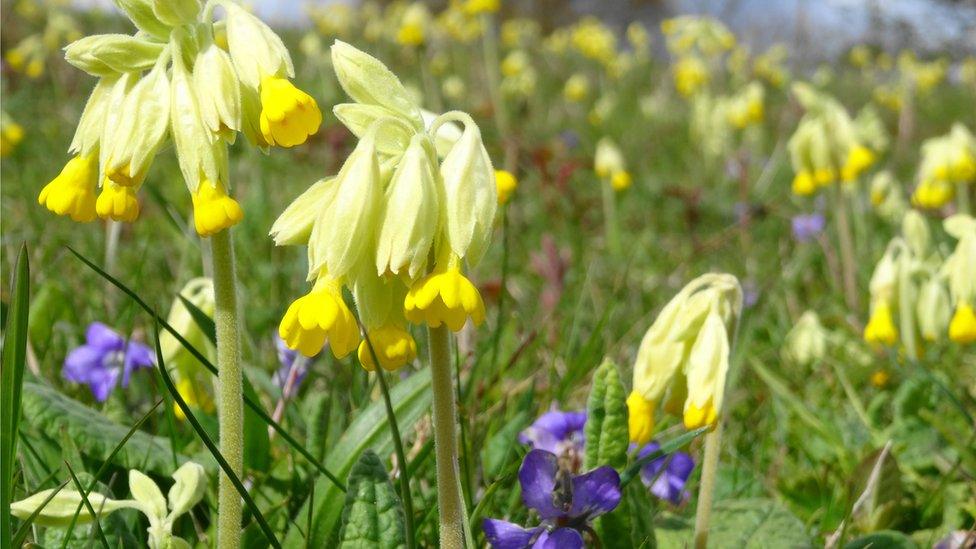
{"type": "Point", "coordinates": [81, 362]}
{"type": "Point", "coordinates": [506, 535]}
{"type": "Point", "coordinates": [560, 538]}
{"type": "Point", "coordinates": [102, 337]}
{"type": "Point", "coordinates": [538, 479]}
{"type": "Point", "coordinates": [596, 492]}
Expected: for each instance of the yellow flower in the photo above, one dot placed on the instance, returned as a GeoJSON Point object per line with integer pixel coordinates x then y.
{"type": "Point", "coordinates": [72, 192]}
{"type": "Point", "coordinates": [394, 347]}
{"type": "Point", "coordinates": [10, 136]}
{"type": "Point", "coordinates": [477, 7]}
{"type": "Point", "coordinates": [933, 194]}
{"type": "Point", "coordinates": [444, 296]}
{"type": "Point", "coordinates": [117, 202]}
{"type": "Point", "coordinates": [505, 183]}
{"type": "Point", "coordinates": [319, 315]}
{"type": "Point", "coordinates": [640, 418]}
{"type": "Point", "coordinates": [577, 88]}
{"type": "Point", "coordinates": [194, 396]}
{"type": "Point", "coordinates": [880, 328]}
{"type": "Point", "coordinates": [859, 158]}
{"type": "Point", "coordinates": [620, 180]}
{"type": "Point", "coordinates": [804, 184]}
{"type": "Point", "coordinates": [690, 74]}
{"type": "Point", "coordinates": [824, 176]}
{"type": "Point", "coordinates": [288, 115]}
{"type": "Point", "coordinates": [213, 210]}
{"type": "Point", "coordinates": [880, 378]}
{"type": "Point", "coordinates": [695, 417]}
{"type": "Point", "coordinates": [962, 327]}
{"type": "Point", "coordinates": [121, 176]}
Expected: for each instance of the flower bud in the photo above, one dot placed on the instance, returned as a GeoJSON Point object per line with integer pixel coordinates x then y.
{"type": "Point", "coordinates": [147, 493]}
{"type": "Point", "coordinates": [188, 490]}
{"type": "Point", "coordinates": [112, 54]}
{"type": "Point", "coordinates": [806, 343]}
{"type": "Point", "coordinates": [255, 49]}
{"type": "Point", "coordinates": [369, 82]}
{"type": "Point", "coordinates": [294, 226]}
{"type": "Point", "coordinates": [412, 216]}
{"type": "Point", "coordinates": [141, 13]}
{"type": "Point", "coordinates": [470, 196]}
{"type": "Point", "coordinates": [62, 509]}
{"type": "Point", "coordinates": [915, 230]}
{"type": "Point", "coordinates": [390, 139]}
{"type": "Point", "coordinates": [176, 12]}
{"type": "Point", "coordinates": [217, 90]}
{"type": "Point", "coordinates": [344, 231]}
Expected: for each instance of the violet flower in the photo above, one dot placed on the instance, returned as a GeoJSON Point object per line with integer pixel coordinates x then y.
{"type": "Point", "coordinates": [103, 359]}
{"type": "Point", "coordinates": [666, 476]}
{"type": "Point", "coordinates": [556, 432]}
{"type": "Point", "coordinates": [566, 503]}
{"type": "Point", "coordinates": [288, 359]}
{"type": "Point", "coordinates": [807, 227]}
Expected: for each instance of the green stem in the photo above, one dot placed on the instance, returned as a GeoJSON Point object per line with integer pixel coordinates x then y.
{"type": "Point", "coordinates": [713, 444]}
{"type": "Point", "coordinates": [906, 313]}
{"type": "Point", "coordinates": [962, 197]}
{"type": "Point", "coordinates": [610, 218]}
{"type": "Point", "coordinates": [453, 522]}
{"type": "Point", "coordinates": [230, 404]}
{"type": "Point", "coordinates": [846, 249]}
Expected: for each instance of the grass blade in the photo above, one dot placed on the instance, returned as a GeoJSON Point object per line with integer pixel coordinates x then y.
{"type": "Point", "coordinates": [248, 401]}
{"type": "Point", "coordinates": [670, 446]}
{"type": "Point", "coordinates": [13, 359]}
{"type": "Point", "coordinates": [84, 500]}
{"type": "Point", "coordinates": [258, 516]}
{"type": "Point", "coordinates": [21, 534]}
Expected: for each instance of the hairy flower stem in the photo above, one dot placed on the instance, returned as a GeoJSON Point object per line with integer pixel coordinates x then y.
{"type": "Point", "coordinates": [453, 522]}
{"type": "Point", "coordinates": [713, 444]}
{"type": "Point", "coordinates": [230, 409]}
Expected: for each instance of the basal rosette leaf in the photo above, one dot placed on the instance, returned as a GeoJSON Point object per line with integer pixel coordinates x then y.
{"type": "Point", "coordinates": [372, 516]}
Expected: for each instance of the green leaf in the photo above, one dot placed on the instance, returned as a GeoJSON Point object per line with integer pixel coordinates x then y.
{"type": "Point", "coordinates": [50, 412]}
{"type": "Point", "coordinates": [411, 399]}
{"type": "Point", "coordinates": [755, 524]}
{"type": "Point", "coordinates": [606, 421]}
{"type": "Point", "coordinates": [13, 358]}
{"type": "Point", "coordinates": [372, 516]}
{"type": "Point", "coordinates": [885, 539]}
{"type": "Point", "coordinates": [499, 447]}
{"type": "Point", "coordinates": [672, 532]}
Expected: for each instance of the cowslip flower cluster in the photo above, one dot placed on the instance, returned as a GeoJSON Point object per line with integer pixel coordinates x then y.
{"type": "Point", "coordinates": [11, 134]}
{"type": "Point", "coordinates": [409, 207]}
{"type": "Point", "coordinates": [771, 65]}
{"type": "Point", "coordinates": [105, 361]}
{"type": "Point", "coordinates": [715, 120]}
{"type": "Point", "coordinates": [696, 43]}
{"type": "Point", "coordinates": [61, 507]}
{"type": "Point", "coordinates": [29, 56]}
{"type": "Point", "coordinates": [182, 79]}
{"type": "Point", "coordinates": [566, 503]}
{"type": "Point", "coordinates": [947, 162]}
{"type": "Point", "coordinates": [914, 289]}
{"type": "Point", "coordinates": [610, 166]}
{"type": "Point", "coordinates": [828, 146]}
{"type": "Point", "coordinates": [685, 356]}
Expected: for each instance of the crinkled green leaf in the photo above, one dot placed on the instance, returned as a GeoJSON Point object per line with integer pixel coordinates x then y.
{"type": "Point", "coordinates": [372, 516]}
{"type": "Point", "coordinates": [885, 539]}
{"type": "Point", "coordinates": [606, 424]}
{"type": "Point", "coordinates": [50, 412]}
{"type": "Point", "coordinates": [756, 524]}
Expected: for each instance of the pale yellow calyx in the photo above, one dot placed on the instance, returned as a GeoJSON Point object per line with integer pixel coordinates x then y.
{"type": "Point", "coordinates": [72, 192]}
{"type": "Point", "coordinates": [288, 115]}
{"type": "Point", "coordinates": [213, 210]}
{"type": "Point", "coordinates": [394, 347]}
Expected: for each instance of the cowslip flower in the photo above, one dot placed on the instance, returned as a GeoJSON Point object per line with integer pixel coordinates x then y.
{"type": "Point", "coordinates": [806, 342]}
{"type": "Point", "coordinates": [105, 361]}
{"type": "Point", "coordinates": [685, 354]}
{"type": "Point", "coordinates": [947, 162]}
{"type": "Point", "coordinates": [195, 90]}
{"type": "Point", "coordinates": [505, 184]}
{"type": "Point", "coordinates": [610, 166]}
{"type": "Point", "coordinates": [11, 134]}
{"type": "Point", "coordinates": [416, 187]}
{"type": "Point", "coordinates": [566, 503]}
{"type": "Point", "coordinates": [667, 475]}
{"type": "Point", "coordinates": [880, 329]}
{"type": "Point", "coordinates": [577, 88]}
{"type": "Point", "coordinates": [960, 271]}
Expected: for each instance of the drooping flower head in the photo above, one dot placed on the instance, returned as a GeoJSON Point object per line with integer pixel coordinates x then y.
{"type": "Point", "coordinates": [566, 503]}
{"type": "Point", "coordinates": [182, 79]}
{"type": "Point", "coordinates": [685, 354]}
{"type": "Point", "coordinates": [105, 361]}
{"type": "Point", "coordinates": [960, 271]}
{"type": "Point", "coordinates": [610, 166]}
{"type": "Point", "coordinates": [947, 162]}
{"type": "Point", "coordinates": [416, 188]}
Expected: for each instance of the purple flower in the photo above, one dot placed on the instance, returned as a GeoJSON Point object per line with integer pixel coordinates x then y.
{"type": "Point", "coordinates": [807, 227]}
{"type": "Point", "coordinates": [566, 503]}
{"type": "Point", "coordinates": [666, 476]}
{"type": "Point", "coordinates": [104, 358]}
{"type": "Point", "coordinates": [289, 360]}
{"type": "Point", "coordinates": [556, 432]}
